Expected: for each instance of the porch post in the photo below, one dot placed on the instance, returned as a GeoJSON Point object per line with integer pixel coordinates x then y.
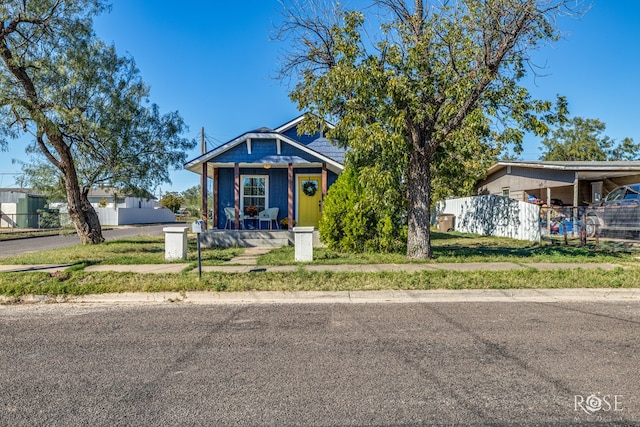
{"type": "Point", "coordinates": [576, 188]}
{"type": "Point", "coordinates": [290, 197]}
{"type": "Point", "coordinates": [324, 179]}
{"type": "Point", "coordinates": [215, 197]}
{"type": "Point", "coordinates": [236, 194]}
{"type": "Point", "coordinates": [204, 180]}
{"type": "Point", "coordinates": [548, 211]}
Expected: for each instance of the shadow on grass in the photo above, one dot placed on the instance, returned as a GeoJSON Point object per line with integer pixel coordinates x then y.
{"type": "Point", "coordinates": [437, 235]}
{"type": "Point", "coordinates": [546, 251]}
{"type": "Point", "coordinates": [134, 241]}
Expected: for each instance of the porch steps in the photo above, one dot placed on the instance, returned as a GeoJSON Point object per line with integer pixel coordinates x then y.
{"type": "Point", "coordinates": [251, 238]}
{"type": "Point", "coordinates": [244, 238]}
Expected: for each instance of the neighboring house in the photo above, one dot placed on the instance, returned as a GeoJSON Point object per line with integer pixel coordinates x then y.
{"type": "Point", "coordinates": [569, 184]}
{"type": "Point", "coordinates": [572, 183]}
{"type": "Point", "coordinates": [115, 208]}
{"type": "Point", "coordinates": [19, 208]}
{"type": "Point", "coordinates": [270, 168]}
{"type": "Point", "coordinates": [111, 198]}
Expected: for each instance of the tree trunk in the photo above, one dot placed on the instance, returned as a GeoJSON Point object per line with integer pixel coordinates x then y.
{"type": "Point", "coordinates": [419, 210]}
{"type": "Point", "coordinates": [82, 214]}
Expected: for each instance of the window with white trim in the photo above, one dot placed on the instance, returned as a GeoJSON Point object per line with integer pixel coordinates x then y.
{"type": "Point", "coordinates": [254, 192]}
{"type": "Point", "coordinates": [506, 192]}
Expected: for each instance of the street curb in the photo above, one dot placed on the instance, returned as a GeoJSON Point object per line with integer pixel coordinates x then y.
{"type": "Point", "coordinates": [345, 297]}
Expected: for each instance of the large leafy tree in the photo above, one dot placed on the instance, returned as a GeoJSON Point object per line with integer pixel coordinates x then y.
{"type": "Point", "coordinates": [84, 105]}
{"type": "Point", "coordinates": [192, 200]}
{"type": "Point", "coordinates": [582, 139]}
{"type": "Point", "coordinates": [438, 89]}
{"type": "Point", "coordinates": [172, 201]}
{"type": "Point", "coordinates": [43, 177]}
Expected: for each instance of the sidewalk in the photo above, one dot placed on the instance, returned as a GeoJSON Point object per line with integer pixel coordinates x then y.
{"type": "Point", "coordinates": [247, 263]}
{"type": "Point", "coordinates": [338, 268]}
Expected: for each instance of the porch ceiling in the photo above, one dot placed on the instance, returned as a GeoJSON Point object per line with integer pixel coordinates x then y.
{"type": "Point", "coordinates": [604, 174]}
{"type": "Point", "coordinates": [262, 164]}
{"type": "Point", "coordinates": [585, 170]}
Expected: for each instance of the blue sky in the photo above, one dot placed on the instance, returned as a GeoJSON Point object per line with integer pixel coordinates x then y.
{"type": "Point", "coordinates": [214, 62]}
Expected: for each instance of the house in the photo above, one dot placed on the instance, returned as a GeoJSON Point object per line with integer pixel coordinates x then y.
{"type": "Point", "coordinates": [570, 184]}
{"type": "Point", "coordinates": [270, 168]}
{"type": "Point", "coordinates": [19, 208]}
{"type": "Point", "coordinates": [125, 208]}
{"type": "Point", "coordinates": [108, 197]}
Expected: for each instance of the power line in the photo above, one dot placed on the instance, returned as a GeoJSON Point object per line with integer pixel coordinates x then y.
{"type": "Point", "coordinates": [212, 142]}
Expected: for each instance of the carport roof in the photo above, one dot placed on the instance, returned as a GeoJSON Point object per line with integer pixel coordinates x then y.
{"type": "Point", "coordinates": [585, 170]}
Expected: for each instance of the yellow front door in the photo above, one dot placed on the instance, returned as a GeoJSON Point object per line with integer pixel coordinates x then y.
{"type": "Point", "coordinates": [309, 194]}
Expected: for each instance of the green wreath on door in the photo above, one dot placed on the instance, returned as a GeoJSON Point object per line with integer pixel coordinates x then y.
{"type": "Point", "coordinates": [310, 188]}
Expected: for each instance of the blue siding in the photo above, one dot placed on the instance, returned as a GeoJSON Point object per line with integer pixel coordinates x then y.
{"type": "Point", "coordinates": [288, 150]}
{"type": "Point", "coordinates": [303, 139]}
{"type": "Point", "coordinates": [278, 187]}
{"type": "Point", "coordinates": [278, 191]}
{"type": "Point", "coordinates": [259, 150]}
{"type": "Point", "coordinates": [225, 194]}
{"type": "Point", "coordinates": [331, 179]}
{"type": "Point", "coordinates": [238, 154]}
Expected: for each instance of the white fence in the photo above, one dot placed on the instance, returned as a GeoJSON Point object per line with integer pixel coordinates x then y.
{"type": "Point", "coordinates": [126, 216]}
{"type": "Point", "coordinates": [8, 215]}
{"type": "Point", "coordinates": [493, 215]}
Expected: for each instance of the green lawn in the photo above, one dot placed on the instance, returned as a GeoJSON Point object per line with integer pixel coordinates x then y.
{"type": "Point", "coordinates": [80, 282]}
{"type": "Point", "coordinates": [20, 234]}
{"type": "Point", "coordinates": [450, 247]}
{"type": "Point", "coordinates": [136, 250]}
{"type": "Point", "coordinates": [460, 247]}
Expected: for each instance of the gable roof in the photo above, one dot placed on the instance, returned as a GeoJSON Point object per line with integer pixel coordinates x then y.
{"type": "Point", "coordinates": [320, 148]}
{"type": "Point", "coordinates": [295, 122]}
{"type": "Point", "coordinates": [324, 146]}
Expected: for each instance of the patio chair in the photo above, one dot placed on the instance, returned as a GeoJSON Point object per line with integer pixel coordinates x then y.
{"type": "Point", "coordinates": [269, 215]}
{"type": "Point", "coordinates": [230, 213]}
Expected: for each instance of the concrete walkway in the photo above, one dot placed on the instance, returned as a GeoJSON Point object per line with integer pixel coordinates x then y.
{"type": "Point", "coordinates": [375, 268]}
{"type": "Point", "coordinates": [340, 268]}
{"type": "Point", "coordinates": [247, 261]}
{"type": "Point", "coordinates": [249, 256]}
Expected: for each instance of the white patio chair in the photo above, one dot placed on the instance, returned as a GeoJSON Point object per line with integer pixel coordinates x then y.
{"type": "Point", "coordinates": [230, 214]}
{"type": "Point", "coordinates": [269, 215]}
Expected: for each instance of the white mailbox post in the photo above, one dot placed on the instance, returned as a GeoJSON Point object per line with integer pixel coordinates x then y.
{"type": "Point", "coordinates": [197, 227]}
{"type": "Point", "coordinates": [303, 243]}
{"type": "Point", "coordinates": [175, 243]}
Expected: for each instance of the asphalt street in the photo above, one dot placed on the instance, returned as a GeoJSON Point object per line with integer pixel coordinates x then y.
{"type": "Point", "coordinates": [20, 246]}
{"type": "Point", "coordinates": [520, 364]}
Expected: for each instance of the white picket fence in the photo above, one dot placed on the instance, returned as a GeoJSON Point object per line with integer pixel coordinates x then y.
{"type": "Point", "coordinates": [493, 215]}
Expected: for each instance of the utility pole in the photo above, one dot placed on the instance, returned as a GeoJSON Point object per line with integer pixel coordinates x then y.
{"type": "Point", "coordinates": [203, 143]}
{"type": "Point", "coordinates": [204, 180]}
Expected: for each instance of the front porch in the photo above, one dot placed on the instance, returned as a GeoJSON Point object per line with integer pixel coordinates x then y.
{"type": "Point", "coordinates": [251, 238]}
